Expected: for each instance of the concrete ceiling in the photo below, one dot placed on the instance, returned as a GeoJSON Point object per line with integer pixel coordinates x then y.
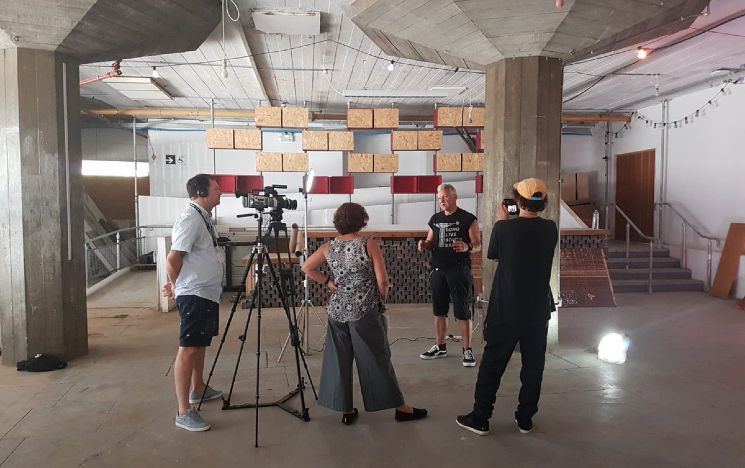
{"type": "Point", "coordinates": [317, 70]}
{"type": "Point", "coordinates": [93, 30]}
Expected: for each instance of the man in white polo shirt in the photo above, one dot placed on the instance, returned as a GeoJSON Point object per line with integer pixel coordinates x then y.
{"type": "Point", "coordinates": [195, 267]}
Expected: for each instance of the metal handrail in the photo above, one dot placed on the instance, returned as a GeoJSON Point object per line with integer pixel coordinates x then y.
{"type": "Point", "coordinates": [684, 244]}
{"type": "Point", "coordinates": [119, 231]}
{"type": "Point", "coordinates": [651, 239]}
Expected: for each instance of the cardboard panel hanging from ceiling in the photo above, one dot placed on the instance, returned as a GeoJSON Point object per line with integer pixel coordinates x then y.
{"type": "Point", "coordinates": [385, 118]}
{"type": "Point", "coordinates": [219, 138]}
{"type": "Point", "coordinates": [359, 118]}
{"type": "Point", "coordinates": [269, 162]}
{"type": "Point", "coordinates": [247, 139]}
{"type": "Point", "coordinates": [474, 117]}
{"type": "Point", "coordinates": [448, 117]}
{"type": "Point", "coordinates": [360, 162]}
{"type": "Point", "coordinates": [430, 140]}
{"type": "Point", "coordinates": [404, 141]}
{"type": "Point", "coordinates": [473, 162]}
{"type": "Point", "coordinates": [294, 117]}
{"type": "Point", "coordinates": [268, 117]}
{"type": "Point", "coordinates": [315, 141]}
{"type": "Point", "coordinates": [341, 141]}
{"type": "Point", "coordinates": [385, 163]}
{"type": "Point", "coordinates": [294, 162]}
{"type": "Point", "coordinates": [447, 162]}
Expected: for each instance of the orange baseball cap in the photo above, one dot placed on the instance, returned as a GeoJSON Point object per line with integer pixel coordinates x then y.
{"type": "Point", "coordinates": [532, 189]}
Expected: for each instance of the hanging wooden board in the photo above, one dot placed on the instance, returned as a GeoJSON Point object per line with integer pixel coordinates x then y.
{"type": "Point", "coordinates": [474, 116]}
{"type": "Point", "coordinates": [294, 162]}
{"type": "Point", "coordinates": [341, 141]}
{"type": "Point", "coordinates": [359, 118]}
{"type": "Point", "coordinates": [269, 162]}
{"type": "Point", "coordinates": [404, 141]}
{"type": "Point", "coordinates": [219, 138]}
{"type": "Point", "coordinates": [729, 261]}
{"type": "Point", "coordinates": [268, 117]}
{"type": "Point", "coordinates": [430, 140]}
{"type": "Point", "coordinates": [315, 141]}
{"type": "Point", "coordinates": [360, 162]}
{"type": "Point", "coordinates": [248, 139]}
{"type": "Point", "coordinates": [448, 162]}
{"type": "Point", "coordinates": [294, 117]}
{"type": "Point", "coordinates": [448, 117]}
{"type": "Point", "coordinates": [385, 118]}
{"type": "Point", "coordinates": [473, 162]}
{"type": "Point", "coordinates": [385, 163]}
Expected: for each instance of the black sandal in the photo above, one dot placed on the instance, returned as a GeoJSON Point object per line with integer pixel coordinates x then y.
{"type": "Point", "coordinates": [349, 418]}
{"type": "Point", "coordinates": [418, 413]}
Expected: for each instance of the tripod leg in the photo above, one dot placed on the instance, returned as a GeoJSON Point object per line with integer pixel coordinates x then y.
{"type": "Point", "coordinates": [295, 342]}
{"type": "Point", "coordinates": [227, 327]}
{"type": "Point", "coordinates": [242, 339]}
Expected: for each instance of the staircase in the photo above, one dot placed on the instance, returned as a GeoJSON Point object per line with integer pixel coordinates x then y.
{"type": "Point", "coordinates": [667, 274]}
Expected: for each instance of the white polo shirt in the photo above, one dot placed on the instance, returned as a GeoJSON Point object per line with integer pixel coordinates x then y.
{"type": "Point", "coordinates": [204, 263]}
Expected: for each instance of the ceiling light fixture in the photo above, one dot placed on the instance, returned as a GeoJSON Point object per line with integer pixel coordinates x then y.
{"type": "Point", "coordinates": [642, 53]}
{"type": "Point", "coordinates": [390, 66]}
{"type": "Point", "coordinates": [155, 75]}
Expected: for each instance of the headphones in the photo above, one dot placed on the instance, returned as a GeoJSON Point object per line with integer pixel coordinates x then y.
{"type": "Point", "coordinates": [199, 185]}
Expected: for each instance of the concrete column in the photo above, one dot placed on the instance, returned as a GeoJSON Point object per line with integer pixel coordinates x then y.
{"type": "Point", "coordinates": [522, 139]}
{"type": "Point", "coordinates": [42, 266]}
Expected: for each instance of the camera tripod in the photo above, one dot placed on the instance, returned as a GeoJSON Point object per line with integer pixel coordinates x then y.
{"type": "Point", "coordinates": [260, 257]}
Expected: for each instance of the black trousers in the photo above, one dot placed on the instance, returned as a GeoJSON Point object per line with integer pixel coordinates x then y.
{"type": "Point", "coordinates": [497, 354]}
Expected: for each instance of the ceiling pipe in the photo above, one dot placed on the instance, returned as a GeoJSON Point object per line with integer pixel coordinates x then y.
{"type": "Point", "coordinates": [115, 71]}
{"type": "Point", "coordinates": [166, 113]}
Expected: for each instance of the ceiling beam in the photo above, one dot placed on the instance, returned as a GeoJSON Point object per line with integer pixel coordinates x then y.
{"type": "Point", "coordinates": [166, 112]}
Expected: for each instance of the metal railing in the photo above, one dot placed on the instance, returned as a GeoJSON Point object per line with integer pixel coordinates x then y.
{"type": "Point", "coordinates": [685, 225]}
{"type": "Point", "coordinates": [114, 251]}
{"type": "Point", "coordinates": [629, 225]}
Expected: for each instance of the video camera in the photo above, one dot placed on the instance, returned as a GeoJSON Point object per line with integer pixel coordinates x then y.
{"type": "Point", "coordinates": [267, 199]}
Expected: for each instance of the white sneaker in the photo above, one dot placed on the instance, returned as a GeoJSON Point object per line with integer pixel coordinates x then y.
{"type": "Point", "coordinates": [192, 421]}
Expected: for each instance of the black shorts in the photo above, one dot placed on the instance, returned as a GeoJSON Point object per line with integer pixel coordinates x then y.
{"type": "Point", "coordinates": [199, 320]}
{"type": "Point", "coordinates": [453, 284]}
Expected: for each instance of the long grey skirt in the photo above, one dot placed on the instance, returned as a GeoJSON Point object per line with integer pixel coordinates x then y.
{"type": "Point", "coordinates": [366, 342]}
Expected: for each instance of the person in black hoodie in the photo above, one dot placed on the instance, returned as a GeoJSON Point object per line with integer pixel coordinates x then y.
{"type": "Point", "coordinates": [520, 306]}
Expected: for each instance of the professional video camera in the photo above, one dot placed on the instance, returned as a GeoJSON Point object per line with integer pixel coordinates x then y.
{"type": "Point", "coordinates": [267, 198]}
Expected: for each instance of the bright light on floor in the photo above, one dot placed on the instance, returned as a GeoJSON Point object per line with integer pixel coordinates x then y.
{"type": "Point", "coordinates": [613, 347]}
{"type": "Point", "coordinates": [114, 168]}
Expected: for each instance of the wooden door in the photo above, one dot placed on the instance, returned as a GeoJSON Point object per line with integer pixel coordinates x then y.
{"type": "Point", "coordinates": [635, 192]}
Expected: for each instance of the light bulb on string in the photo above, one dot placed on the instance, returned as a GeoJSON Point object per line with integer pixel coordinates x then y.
{"type": "Point", "coordinates": [155, 75]}
{"type": "Point", "coordinates": [642, 53]}
{"type": "Point", "coordinates": [390, 66]}
{"type": "Point", "coordinates": [225, 68]}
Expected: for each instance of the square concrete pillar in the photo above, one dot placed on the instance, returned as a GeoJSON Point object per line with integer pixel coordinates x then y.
{"type": "Point", "coordinates": [522, 138]}
{"type": "Point", "coordinates": [42, 264]}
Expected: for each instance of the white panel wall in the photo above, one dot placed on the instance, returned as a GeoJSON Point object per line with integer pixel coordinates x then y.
{"type": "Point", "coordinates": [705, 168]}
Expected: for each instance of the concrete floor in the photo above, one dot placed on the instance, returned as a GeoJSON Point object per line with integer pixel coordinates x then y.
{"type": "Point", "coordinates": [674, 403]}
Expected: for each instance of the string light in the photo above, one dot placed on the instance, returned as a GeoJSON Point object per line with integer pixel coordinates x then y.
{"type": "Point", "coordinates": [155, 75]}
{"type": "Point", "coordinates": [642, 53]}
{"type": "Point", "coordinates": [390, 66]}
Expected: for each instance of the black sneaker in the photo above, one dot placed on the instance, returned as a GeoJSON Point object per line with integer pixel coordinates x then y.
{"type": "Point", "coordinates": [468, 359]}
{"type": "Point", "coordinates": [434, 352]}
{"type": "Point", "coordinates": [469, 423]}
{"type": "Point", "coordinates": [524, 424]}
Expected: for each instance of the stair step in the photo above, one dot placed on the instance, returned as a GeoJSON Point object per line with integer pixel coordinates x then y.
{"type": "Point", "coordinates": [640, 262]}
{"type": "Point", "coordinates": [643, 273]}
{"type": "Point", "coordinates": [615, 252]}
{"type": "Point", "coordinates": [658, 285]}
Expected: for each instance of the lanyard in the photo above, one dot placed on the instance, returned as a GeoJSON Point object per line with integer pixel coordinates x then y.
{"type": "Point", "coordinates": [209, 226]}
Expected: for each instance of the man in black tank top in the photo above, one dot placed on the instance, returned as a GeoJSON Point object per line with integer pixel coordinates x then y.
{"type": "Point", "coordinates": [453, 235]}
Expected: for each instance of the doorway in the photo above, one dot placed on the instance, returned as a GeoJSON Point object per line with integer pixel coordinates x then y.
{"type": "Point", "coordinates": [635, 176]}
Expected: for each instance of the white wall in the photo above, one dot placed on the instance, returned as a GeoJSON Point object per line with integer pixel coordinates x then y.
{"type": "Point", "coordinates": [705, 168]}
